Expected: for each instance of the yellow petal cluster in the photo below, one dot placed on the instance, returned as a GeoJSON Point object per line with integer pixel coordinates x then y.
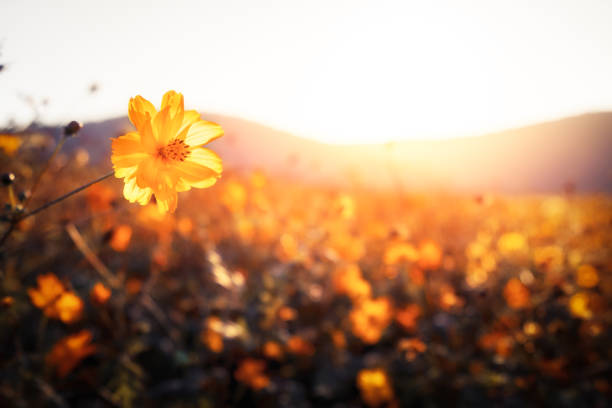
{"type": "Point", "coordinates": [164, 156]}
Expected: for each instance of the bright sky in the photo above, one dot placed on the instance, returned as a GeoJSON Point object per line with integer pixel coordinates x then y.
{"type": "Point", "coordinates": [337, 71]}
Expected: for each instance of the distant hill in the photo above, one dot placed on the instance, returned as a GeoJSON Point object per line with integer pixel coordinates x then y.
{"type": "Point", "coordinates": [531, 159]}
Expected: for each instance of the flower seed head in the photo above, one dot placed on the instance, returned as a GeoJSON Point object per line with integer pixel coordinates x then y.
{"type": "Point", "coordinates": [23, 195]}
{"type": "Point", "coordinates": [8, 178]}
{"type": "Point", "coordinates": [72, 128]}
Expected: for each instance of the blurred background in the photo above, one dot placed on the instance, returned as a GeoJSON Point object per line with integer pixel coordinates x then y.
{"type": "Point", "coordinates": [414, 210]}
{"type": "Point", "coordinates": [442, 89]}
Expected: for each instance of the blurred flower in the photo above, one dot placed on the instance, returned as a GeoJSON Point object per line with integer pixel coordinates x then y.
{"type": "Point", "coordinates": [448, 298]}
{"type": "Point", "coordinates": [56, 302]}
{"type": "Point", "coordinates": [297, 345]}
{"type": "Point", "coordinates": [69, 307]}
{"type": "Point", "coordinates": [411, 348]}
{"type": "Point", "coordinates": [69, 351]}
{"type": "Point", "coordinates": [516, 294]}
{"type": "Point", "coordinates": [345, 206]}
{"type": "Point", "coordinates": [234, 196]}
{"type": "Point", "coordinates": [586, 276]}
{"type": "Point", "coordinates": [251, 372]}
{"type": "Point", "coordinates": [9, 144]}
{"type": "Point", "coordinates": [212, 340]}
{"type": "Point", "coordinates": [286, 313]}
{"type": "Point", "coordinates": [579, 305]}
{"type": "Point", "coordinates": [512, 244]}
{"type": "Point", "coordinates": [430, 255]}
{"type": "Point", "coordinates": [100, 294]}
{"type": "Point", "coordinates": [532, 329]}
{"type": "Point", "coordinates": [164, 156]}
{"type": "Point", "coordinates": [121, 238]}
{"type": "Point", "coordinates": [375, 386]}
{"type": "Point", "coordinates": [272, 350]}
{"type": "Point", "coordinates": [400, 252]}
{"type": "Point", "coordinates": [408, 316]}
{"type": "Point", "coordinates": [348, 281]}
{"type": "Point", "coordinates": [7, 301]}
{"type": "Point", "coordinates": [498, 341]}
{"type": "Point", "coordinates": [370, 318]}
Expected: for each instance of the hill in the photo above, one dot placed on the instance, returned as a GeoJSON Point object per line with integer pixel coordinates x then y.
{"type": "Point", "coordinates": [531, 159]}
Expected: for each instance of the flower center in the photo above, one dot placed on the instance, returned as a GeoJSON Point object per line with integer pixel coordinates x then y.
{"type": "Point", "coordinates": [176, 150]}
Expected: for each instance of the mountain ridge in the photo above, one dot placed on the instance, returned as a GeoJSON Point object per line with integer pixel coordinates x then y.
{"type": "Point", "coordinates": [536, 158]}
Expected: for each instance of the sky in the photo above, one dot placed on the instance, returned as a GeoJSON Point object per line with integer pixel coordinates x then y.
{"type": "Point", "coordinates": [335, 71]}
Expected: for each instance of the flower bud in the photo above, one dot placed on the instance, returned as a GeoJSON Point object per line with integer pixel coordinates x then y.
{"type": "Point", "coordinates": [8, 178]}
{"type": "Point", "coordinates": [72, 128]}
{"type": "Point", "coordinates": [23, 195]}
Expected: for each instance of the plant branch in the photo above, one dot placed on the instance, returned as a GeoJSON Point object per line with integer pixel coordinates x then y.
{"type": "Point", "coordinates": [65, 196]}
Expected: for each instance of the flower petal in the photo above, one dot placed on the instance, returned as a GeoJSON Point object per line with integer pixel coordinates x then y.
{"type": "Point", "coordinates": [203, 132]}
{"type": "Point", "coordinates": [189, 118]}
{"type": "Point", "coordinates": [127, 150]}
{"type": "Point", "coordinates": [133, 193]}
{"type": "Point", "coordinates": [140, 111]}
{"type": "Point", "coordinates": [166, 126]}
{"type": "Point", "coordinates": [166, 199]}
{"type": "Point", "coordinates": [174, 101]}
{"type": "Point", "coordinates": [205, 157]}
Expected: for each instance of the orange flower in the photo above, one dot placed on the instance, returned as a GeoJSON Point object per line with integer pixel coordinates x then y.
{"type": "Point", "coordinates": [587, 276]}
{"type": "Point", "coordinates": [212, 340]}
{"type": "Point", "coordinates": [164, 156]}
{"type": "Point", "coordinates": [349, 281]}
{"type": "Point", "coordinates": [100, 293]}
{"type": "Point", "coordinates": [9, 144]}
{"type": "Point", "coordinates": [299, 346]}
{"type": "Point", "coordinates": [411, 348]}
{"type": "Point", "coordinates": [69, 351]}
{"type": "Point", "coordinates": [430, 255]}
{"type": "Point", "coordinates": [375, 386]}
{"type": "Point", "coordinates": [121, 238]}
{"type": "Point", "coordinates": [57, 303]}
{"type": "Point", "coordinates": [251, 373]}
{"type": "Point", "coordinates": [408, 316]}
{"type": "Point", "coordinates": [370, 318]}
{"type": "Point", "coordinates": [400, 252]}
{"type": "Point", "coordinates": [272, 350]}
{"type": "Point", "coordinates": [517, 295]}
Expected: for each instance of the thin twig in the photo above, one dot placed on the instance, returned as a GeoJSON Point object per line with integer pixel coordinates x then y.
{"type": "Point", "coordinates": [7, 233]}
{"type": "Point", "coordinates": [19, 218]}
{"type": "Point", "coordinates": [65, 196]}
{"type": "Point", "coordinates": [92, 258]}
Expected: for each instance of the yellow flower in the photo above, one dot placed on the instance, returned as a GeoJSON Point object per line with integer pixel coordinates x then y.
{"type": "Point", "coordinates": [164, 156]}
{"type": "Point", "coordinates": [375, 386]}
{"type": "Point", "coordinates": [9, 144]}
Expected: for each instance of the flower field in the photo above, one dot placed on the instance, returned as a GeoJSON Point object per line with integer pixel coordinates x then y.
{"type": "Point", "coordinates": [260, 291]}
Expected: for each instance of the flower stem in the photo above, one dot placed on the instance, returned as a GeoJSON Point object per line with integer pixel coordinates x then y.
{"type": "Point", "coordinates": [12, 197]}
{"type": "Point", "coordinates": [65, 196]}
{"type": "Point", "coordinates": [19, 218]}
